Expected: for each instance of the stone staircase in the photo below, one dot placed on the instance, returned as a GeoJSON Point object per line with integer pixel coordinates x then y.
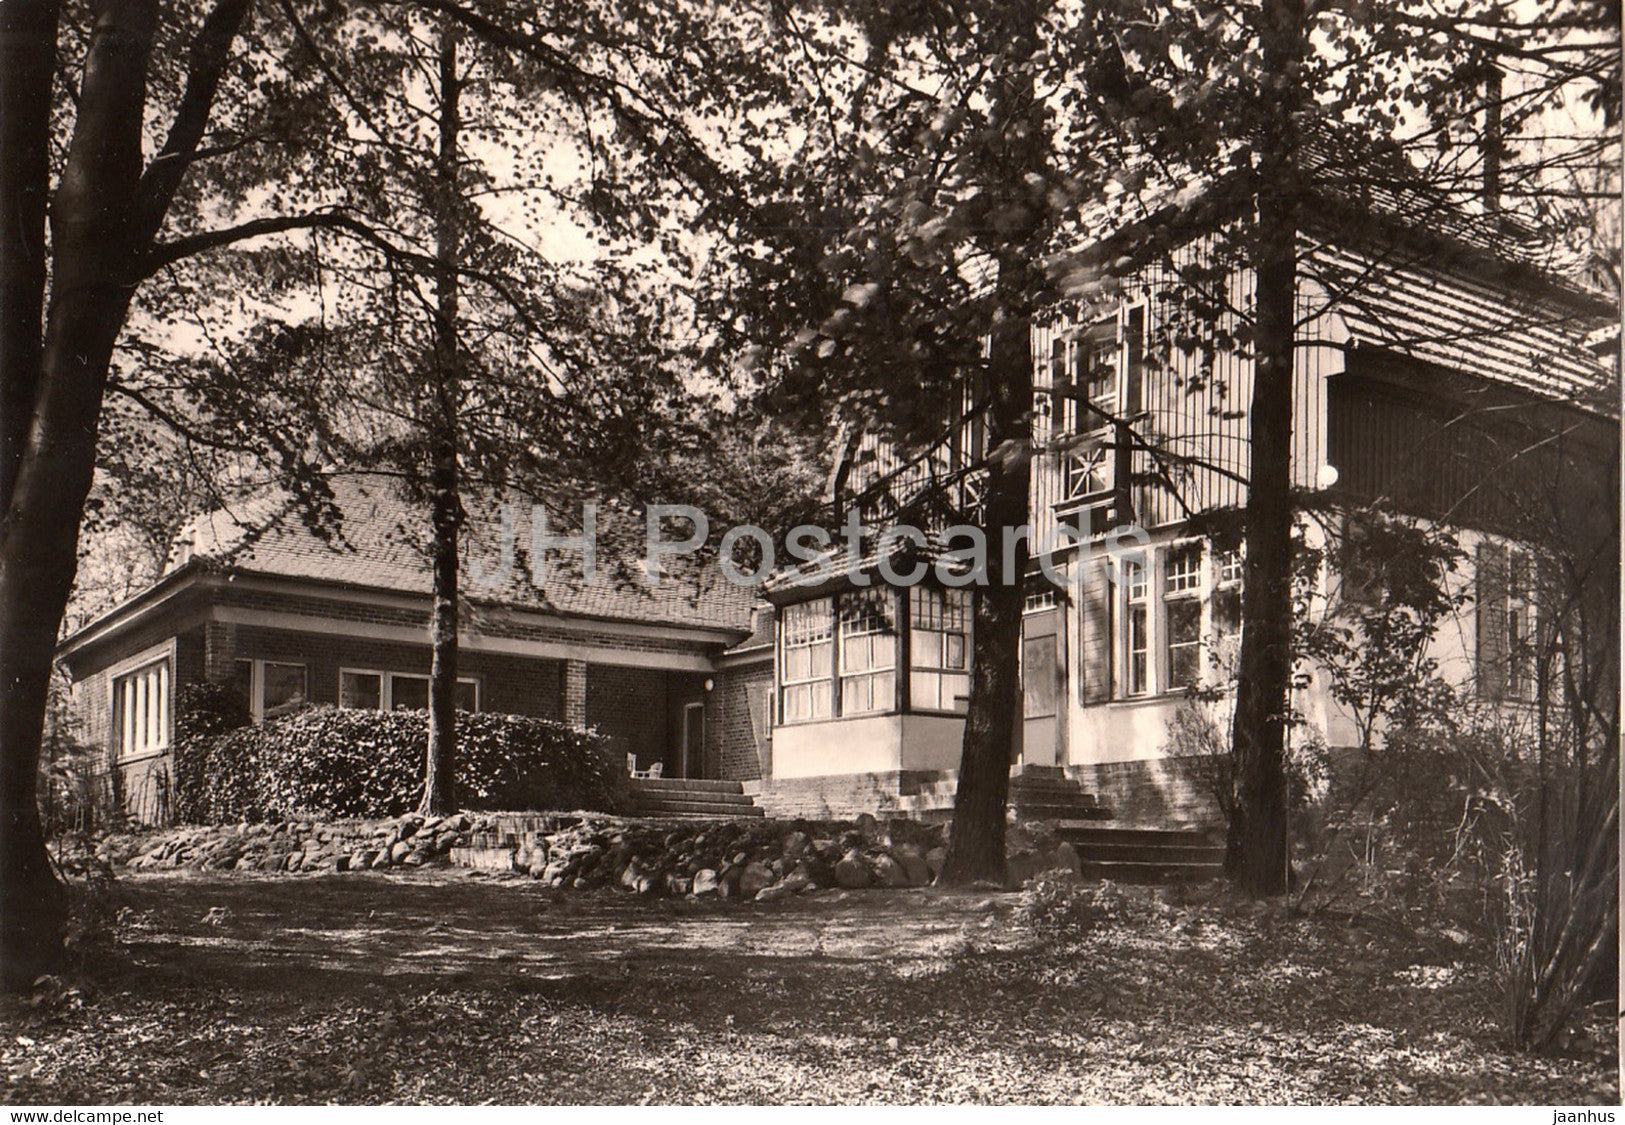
{"type": "Point", "coordinates": [689, 798]}
{"type": "Point", "coordinates": [1144, 855]}
{"type": "Point", "coordinates": [1047, 793]}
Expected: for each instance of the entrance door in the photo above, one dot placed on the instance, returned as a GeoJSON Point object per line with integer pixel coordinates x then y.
{"type": "Point", "coordinates": [1043, 676]}
{"type": "Point", "coordinates": [693, 739]}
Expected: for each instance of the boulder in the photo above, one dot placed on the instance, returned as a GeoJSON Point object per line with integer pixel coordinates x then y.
{"type": "Point", "coordinates": [796, 882]}
{"type": "Point", "coordinates": [399, 851]}
{"type": "Point", "coordinates": [935, 858]}
{"type": "Point", "coordinates": [1066, 857]}
{"type": "Point", "coordinates": [705, 881]}
{"type": "Point", "coordinates": [912, 860]}
{"type": "Point", "coordinates": [382, 859]}
{"type": "Point", "coordinates": [361, 859]}
{"type": "Point", "coordinates": [852, 872]}
{"type": "Point", "coordinates": [773, 893]}
{"type": "Point", "coordinates": [755, 878]}
{"type": "Point", "coordinates": [888, 872]}
{"type": "Point", "coordinates": [795, 846]}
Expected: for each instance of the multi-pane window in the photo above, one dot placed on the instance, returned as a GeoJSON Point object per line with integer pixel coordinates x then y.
{"type": "Point", "coordinates": [939, 648]}
{"type": "Point", "coordinates": [1106, 368]}
{"type": "Point", "coordinates": [1176, 606]}
{"type": "Point", "coordinates": [1038, 598]}
{"type": "Point", "coordinates": [806, 660]}
{"type": "Point", "coordinates": [1182, 614]}
{"type": "Point", "coordinates": [868, 652]}
{"type": "Point", "coordinates": [399, 691]}
{"type": "Point", "coordinates": [141, 711]}
{"type": "Point", "coordinates": [1136, 627]}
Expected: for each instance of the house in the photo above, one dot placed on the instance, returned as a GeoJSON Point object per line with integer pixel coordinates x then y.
{"type": "Point", "coordinates": [259, 599]}
{"type": "Point", "coordinates": [1436, 375]}
{"type": "Point", "coordinates": [1455, 384]}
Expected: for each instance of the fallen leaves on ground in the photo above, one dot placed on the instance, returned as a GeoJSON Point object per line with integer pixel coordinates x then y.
{"type": "Point", "coordinates": [446, 988]}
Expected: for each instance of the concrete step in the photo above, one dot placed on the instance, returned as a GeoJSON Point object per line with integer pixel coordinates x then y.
{"type": "Point", "coordinates": [672, 807]}
{"type": "Point", "coordinates": [1151, 853]}
{"type": "Point", "coordinates": [1082, 831]}
{"type": "Point", "coordinates": [685, 785]}
{"type": "Point", "coordinates": [735, 799]}
{"type": "Point", "coordinates": [1047, 812]}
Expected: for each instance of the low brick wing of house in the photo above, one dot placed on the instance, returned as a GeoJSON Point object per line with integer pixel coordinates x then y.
{"type": "Point", "coordinates": [256, 599]}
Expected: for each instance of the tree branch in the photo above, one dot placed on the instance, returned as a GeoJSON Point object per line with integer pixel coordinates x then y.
{"type": "Point", "coordinates": [211, 50]}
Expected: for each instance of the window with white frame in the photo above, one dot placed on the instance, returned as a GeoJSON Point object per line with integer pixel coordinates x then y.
{"type": "Point", "coordinates": [141, 710]}
{"type": "Point", "coordinates": [868, 652]}
{"type": "Point", "coordinates": [369, 690]}
{"type": "Point", "coordinates": [939, 649]}
{"type": "Point", "coordinates": [806, 661]}
{"type": "Point", "coordinates": [1136, 626]}
{"type": "Point", "coordinates": [269, 688]}
{"type": "Point", "coordinates": [1182, 615]}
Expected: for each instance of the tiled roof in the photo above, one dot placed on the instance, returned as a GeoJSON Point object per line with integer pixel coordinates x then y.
{"type": "Point", "coordinates": [381, 542]}
{"type": "Point", "coordinates": [762, 633]}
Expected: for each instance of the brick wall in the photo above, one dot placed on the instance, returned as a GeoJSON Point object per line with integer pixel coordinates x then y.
{"type": "Point", "coordinates": [629, 706]}
{"type": "Point", "coordinates": [733, 739]}
{"type": "Point", "coordinates": [142, 784]}
{"type": "Point", "coordinates": [1151, 792]}
{"type": "Point", "coordinates": [843, 796]}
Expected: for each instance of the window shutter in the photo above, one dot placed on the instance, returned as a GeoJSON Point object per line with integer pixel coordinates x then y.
{"type": "Point", "coordinates": [1491, 597]}
{"type": "Point", "coordinates": [1095, 634]}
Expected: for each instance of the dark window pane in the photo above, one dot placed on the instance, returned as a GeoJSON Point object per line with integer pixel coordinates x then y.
{"type": "Point", "coordinates": [408, 693]}
{"type": "Point", "coordinates": [361, 689]}
{"type": "Point", "coordinates": [284, 688]}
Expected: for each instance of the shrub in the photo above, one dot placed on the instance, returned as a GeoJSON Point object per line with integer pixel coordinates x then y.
{"type": "Point", "coordinates": [215, 775]}
{"type": "Point", "coordinates": [73, 790]}
{"type": "Point", "coordinates": [339, 762]}
{"type": "Point", "coordinates": [1058, 906]}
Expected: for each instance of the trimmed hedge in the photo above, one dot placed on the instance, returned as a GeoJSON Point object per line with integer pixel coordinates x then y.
{"type": "Point", "coordinates": [214, 783]}
{"type": "Point", "coordinates": [331, 762]}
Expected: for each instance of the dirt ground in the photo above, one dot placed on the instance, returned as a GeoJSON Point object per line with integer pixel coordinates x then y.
{"type": "Point", "coordinates": [444, 987]}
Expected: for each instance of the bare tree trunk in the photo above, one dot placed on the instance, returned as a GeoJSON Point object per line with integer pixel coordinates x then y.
{"type": "Point", "coordinates": [1256, 855]}
{"type": "Point", "coordinates": [446, 509]}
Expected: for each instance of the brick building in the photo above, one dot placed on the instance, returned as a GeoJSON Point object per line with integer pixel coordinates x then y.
{"type": "Point", "coordinates": [288, 615]}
